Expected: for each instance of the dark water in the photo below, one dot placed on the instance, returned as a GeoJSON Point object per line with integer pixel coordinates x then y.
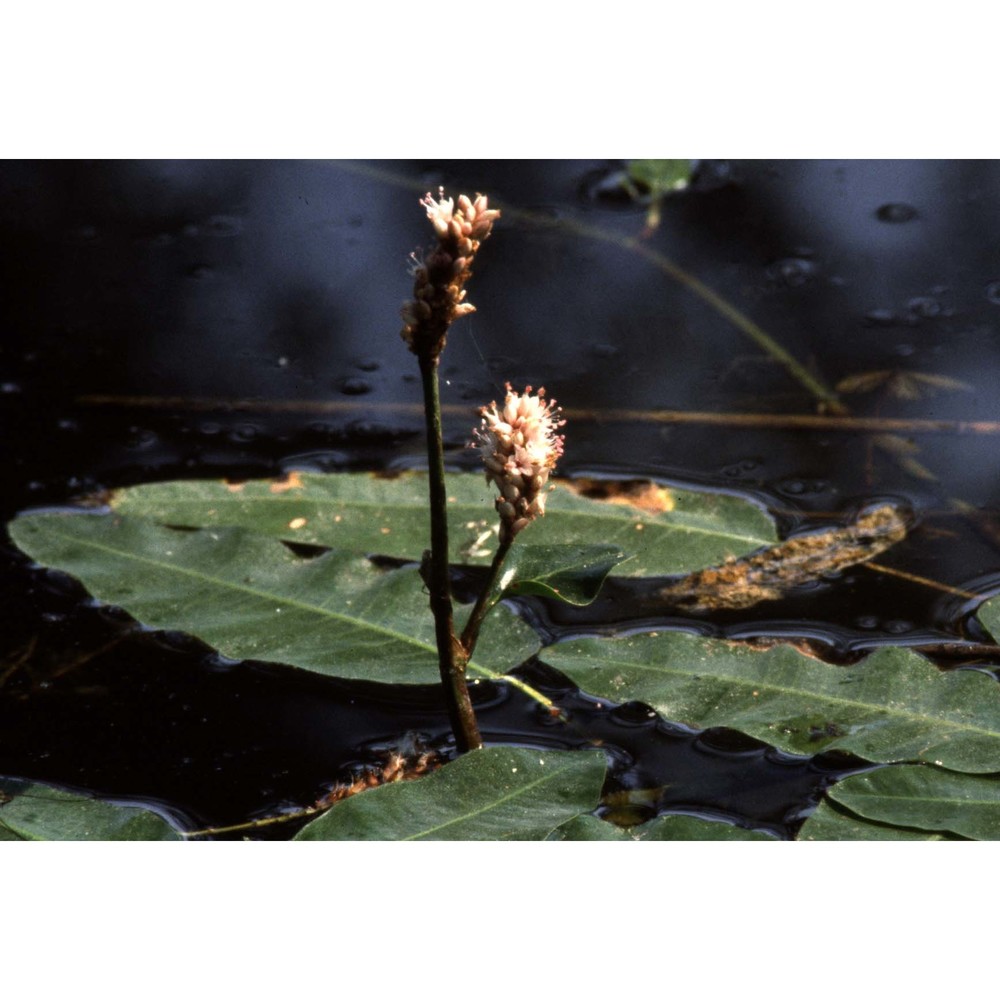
{"type": "Point", "coordinates": [187, 319]}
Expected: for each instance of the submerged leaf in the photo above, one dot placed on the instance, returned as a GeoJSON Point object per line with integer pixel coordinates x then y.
{"type": "Point", "coordinates": [892, 706]}
{"type": "Point", "coordinates": [500, 793]}
{"type": "Point", "coordinates": [361, 512]}
{"type": "Point", "coordinates": [31, 811]}
{"type": "Point", "coordinates": [251, 598]}
{"type": "Point", "coordinates": [928, 798]}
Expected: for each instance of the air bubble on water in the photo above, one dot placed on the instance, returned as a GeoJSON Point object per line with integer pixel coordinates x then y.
{"type": "Point", "coordinates": [69, 426]}
{"type": "Point", "coordinates": [897, 626]}
{"type": "Point", "coordinates": [243, 433]}
{"type": "Point", "coordinates": [223, 225]}
{"type": "Point", "coordinates": [904, 350]}
{"type": "Point", "coordinates": [9, 388]}
{"type": "Point", "coordinates": [355, 386]}
{"type": "Point", "coordinates": [866, 622]}
{"type": "Point", "coordinates": [282, 362]}
{"type": "Point", "coordinates": [602, 350]}
{"type": "Point", "coordinates": [199, 272]}
{"type": "Point", "coordinates": [881, 317]}
{"type": "Point", "coordinates": [140, 438]}
{"type": "Point", "coordinates": [924, 306]}
{"type": "Point", "coordinates": [993, 292]}
{"type": "Point", "coordinates": [210, 428]}
{"type": "Point", "coordinates": [791, 271]}
{"type": "Point", "coordinates": [896, 212]}
{"type": "Point", "coordinates": [369, 365]}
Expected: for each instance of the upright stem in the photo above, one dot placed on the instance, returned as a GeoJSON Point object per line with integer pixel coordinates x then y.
{"type": "Point", "coordinates": [483, 603]}
{"type": "Point", "coordinates": [452, 657]}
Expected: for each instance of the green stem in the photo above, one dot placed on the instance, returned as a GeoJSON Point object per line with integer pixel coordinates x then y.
{"type": "Point", "coordinates": [484, 601]}
{"type": "Point", "coordinates": [452, 657]}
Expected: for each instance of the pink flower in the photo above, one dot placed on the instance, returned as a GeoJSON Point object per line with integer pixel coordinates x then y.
{"type": "Point", "coordinates": [520, 447]}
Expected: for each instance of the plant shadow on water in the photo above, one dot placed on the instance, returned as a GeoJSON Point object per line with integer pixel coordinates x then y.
{"type": "Point", "coordinates": [208, 320]}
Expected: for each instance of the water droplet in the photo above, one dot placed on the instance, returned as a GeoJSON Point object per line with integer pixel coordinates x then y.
{"type": "Point", "coordinates": [355, 387]}
{"type": "Point", "coordinates": [896, 212]}
{"type": "Point", "coordinates": [993, 292]}
{"type": "Point", "coordinates": [283, 362]}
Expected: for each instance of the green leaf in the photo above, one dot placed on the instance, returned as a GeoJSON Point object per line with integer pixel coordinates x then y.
{"type": "Point", "coordinates": [496, 794]}
{"type": "Point", "coordinates": [588, 828]}
{"type": "Point", "coordinates": [660, 176]}
{"type": "Point", "coordinates": [694, 828]}
{"type": "Point", "coordinates": [989, 615]}
{"type": "Point", "coordinates": [30, 811]}
{"type": "Point", "coordinates": [928, 798]}
{"type": "Point", "coordinates": [670, 531]}
{"type": "Point", "coordinates": [830, 823]}
{"type": "Point", "coordinates": [570, 573]}
{"type": "Point", "coordinates": [250, 597]}
{"type": "Point", "coordinates": [892, 706]}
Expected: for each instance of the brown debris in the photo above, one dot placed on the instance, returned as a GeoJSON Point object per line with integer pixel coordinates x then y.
{"type": "Point", "coordinates": [397, 767]}
{"type": "Point", "coordinates": [767, 575]}
{"type": "Point", "coordinates": [641, 495]}
{"type": "Point", "coordinates": [293, 481]}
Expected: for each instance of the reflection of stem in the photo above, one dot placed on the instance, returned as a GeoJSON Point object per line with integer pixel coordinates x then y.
{"type": "Point", "coordinates": [766, 421]}
{"type": "Point", "coordinates": [923, 581]}
{"type": "Point", "coordinates": [452, 657]}
{"type": "Point", "coordinates": [484, 602]}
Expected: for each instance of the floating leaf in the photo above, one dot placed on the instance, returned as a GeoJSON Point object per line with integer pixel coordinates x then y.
{"type": "Point", "coordinates": [250, 597]}
{"type": "Point", "coordinates": [671, 827]}
{"type": "Point", "coordinates": [892, 706]}
{"type": "Point", "coordinates": [30, 811]}
{"type": "Point", "coordinates": [589, 828]}
{"type": "Point", "coordinates": [928, 798]}
{"type": "Point", "coordinates": [500, 793]}
{"type": "Point", "coordinates": [830, 823]}
{"type": "Point", "coordinates": [989, 615]}
{"type": "Point", "coordinates": [361, 512]}
{"type": "Point", "coordinates": [694, 828]}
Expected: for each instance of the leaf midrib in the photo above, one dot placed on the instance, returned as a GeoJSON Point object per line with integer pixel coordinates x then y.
{"type": "Point", "coordinates": [739, 681]}
{"type": "Point", "coordinates": [232, 585]}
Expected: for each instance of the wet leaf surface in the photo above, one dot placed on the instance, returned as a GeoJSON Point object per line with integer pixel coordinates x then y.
{"type": "Point", "coordinates": [892, 706]}
{"type": "Point", "coordinates": [500, 793]}
{"type": "Point", "coordinates": [251, 598]}
{"type": "Point", "coordinates": [927, 798]}
{"type": "Point", "coordinates": [388, 516]}
{"type": "Point", "coordinates": [30, 811]}
{"type": "Point", "coordinates": [830, 823]}
{"type": "Point", "coordinates": [661, 828]}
